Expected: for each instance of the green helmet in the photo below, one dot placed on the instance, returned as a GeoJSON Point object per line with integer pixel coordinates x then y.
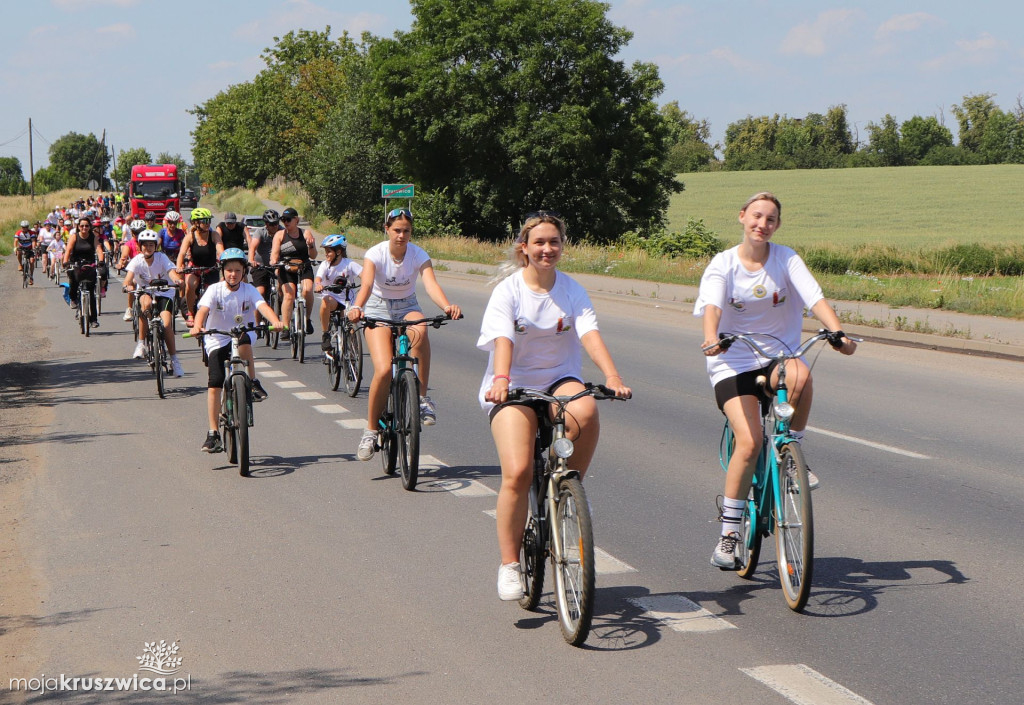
{"type": "Point", "coordinates": [202, 214]}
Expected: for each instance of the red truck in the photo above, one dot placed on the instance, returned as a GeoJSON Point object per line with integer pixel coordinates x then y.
{"type": "Point", "coordinates": [154, 187]}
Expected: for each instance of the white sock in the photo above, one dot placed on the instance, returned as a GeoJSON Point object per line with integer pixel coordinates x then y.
{"type": "Point", "coordinates": [732, 515]}
{"type": "Point", "coordinates": [797, 436]}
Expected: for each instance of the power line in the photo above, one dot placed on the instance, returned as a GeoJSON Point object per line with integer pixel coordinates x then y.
{"type": "Point", "coordinates": [40, 135]}
{"type": "Point", "coordinates": [14, 139]}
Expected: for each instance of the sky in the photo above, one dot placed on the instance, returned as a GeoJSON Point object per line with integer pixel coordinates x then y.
{"type": "Point", "coordinates": [135, 67]}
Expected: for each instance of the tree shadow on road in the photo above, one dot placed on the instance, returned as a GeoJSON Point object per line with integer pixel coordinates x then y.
{"type": "Point", "coordinates": [443, 478]}
{"type": "Point", "coordinates": [270, 466]}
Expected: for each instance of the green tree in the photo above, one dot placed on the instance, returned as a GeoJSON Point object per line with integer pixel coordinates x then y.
{"type": "Point", "coordinates": [518, 104]}
{"type": "Point", "coordinates": [689, 147]}
{"type": "Point", "coordinates": [884, 143]}
{"type": "Point", "coordinates": [750, 144]}
{"type": "Point", "coordinates": [82, 158]}
{"type": "Point", "coordinates": [12, 182]}
{"type": "Point", "coordinates": [50, 178]}
{"type": "Point", "coordinates": [920, 135]}
{"type": "Point", "coordinates": [126, 159]}
{"type": "Point", "coordinates": [972, 116]}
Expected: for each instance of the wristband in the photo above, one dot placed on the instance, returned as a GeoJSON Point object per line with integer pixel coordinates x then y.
{"type": "Point", "coordinates": [355, 308]}
{"type": "Point", "coordinates": [504, 377]}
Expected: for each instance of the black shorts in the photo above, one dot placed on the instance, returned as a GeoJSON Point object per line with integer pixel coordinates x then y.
{"type": "Point", "coordinates": [305, 272]}
{"type": "Point", "coordinates": [540, 407]}
{"type": "Point", "coordinates": [217, 364]}
{"type": "Point", "coordinates": [743, 385]}
{"type": "Point", "coordinates": [163, 303]}
{"type": "Point", "coordinates": [261, 278]}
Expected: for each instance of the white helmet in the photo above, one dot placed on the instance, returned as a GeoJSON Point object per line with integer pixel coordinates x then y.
{"type": "Point", "coordinates": [147, 236]}
{"type": "Point", "coordinates": [137, 226]}
{"type": "Point", "coordinates": [173, 217]}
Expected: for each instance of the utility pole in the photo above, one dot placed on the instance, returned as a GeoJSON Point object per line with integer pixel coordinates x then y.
{"type": "Point", "coordinates": [103, 166]}
{"type": "Point", "coordinates": [113, 156]}
{"type": "Point", "coordinates": [31, 170]}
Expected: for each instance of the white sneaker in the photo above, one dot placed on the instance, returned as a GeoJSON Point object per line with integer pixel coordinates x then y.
{"type": "Point", "coordinates": [127, 315]}
{"type": "Point", "coordinates": [179, 371]}
{"type": "Point", "coordinates": [366, 444]}
{"type": "Point", "coordinates": [428, 413]}
{"type": "Point", "coordinates": [510, 582]}
{"type": "Point", "coordinates": [140, 351]}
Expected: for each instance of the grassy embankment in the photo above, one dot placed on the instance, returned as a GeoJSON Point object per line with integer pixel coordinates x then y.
{"type": "Point", "coordinates": [14, 209]}
{"type": "Point", "coordinates": [886, 235]}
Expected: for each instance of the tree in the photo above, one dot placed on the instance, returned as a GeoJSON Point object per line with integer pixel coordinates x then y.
{"type": "Point", "coordinates": [12, 182]}
{"type": "Point", "coordinates": [51, 179]}
{"type": "Point", "coordinates": [972, 116]}
{"type": "Point", "coordinates": [82, 158]}
{"type": "Point", "coordinates": [688, 139]}
{"type": "Point", "coordinates": [517, 105]}
{"type": "Point", "coordinates": [126, 159]}
{"type": "Point", "coordinates": [884, 142]}
{"type": "Point", "coordinates": [920, 135]}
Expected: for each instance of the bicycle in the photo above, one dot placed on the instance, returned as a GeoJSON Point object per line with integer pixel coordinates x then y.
{"type": "Point", "coordinates": [28, 267]}
{"type": "Point", "coordinates": [558, 523]}
{"type": "Point", "coordinates": [273, 299]}
{"type": "Point", "coordinates": [236, 412]}
{"type": "Point", "coordinates": [298, 319]}
{"type": "Point", "coordinates": [181, 304]}
{"type": "Point", "coordinates": [86, 290]}
{"type": "Point", "coordinates": [398, 429]}
{"type": "Point", "coordinates": [156, 346]}
{"type": "Point", "coordinates": [346, 353]}
{"type": "Point", "coordinates": [779, 500]}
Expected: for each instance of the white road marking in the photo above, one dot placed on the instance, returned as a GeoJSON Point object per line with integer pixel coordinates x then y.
{"type": "Point", "coordinates": [330, 409]}
{"type": "Point", "coordinates": [461, 488]}
{"type": "Point", "coordinates": [870, 444]}
{"type": "Point", "coordinates": [308, 396]}
{"type": "Point", "coordinates": [290, 384]}
{"type": "Point", "coordinates": [492, 513]}
{"type": "Point", "coordinates": [355, 424]}
{"type": "Point", "coordinates": [607, 564]}
{"type": "Point", "coordinates": [804, 686]}
{"type": "Point", "coordinates": [262, 365]}
{"type": "Point", "coordinates": [680, 614]}
{"type": "Point", "coordinates": [273, 373]}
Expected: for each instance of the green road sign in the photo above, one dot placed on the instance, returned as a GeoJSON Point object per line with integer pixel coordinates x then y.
{"type": "Point", "coordinates": [397, 190]}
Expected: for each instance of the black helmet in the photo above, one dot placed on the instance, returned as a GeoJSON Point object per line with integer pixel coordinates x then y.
{"type": "Point", "coordinates": [271, 216]}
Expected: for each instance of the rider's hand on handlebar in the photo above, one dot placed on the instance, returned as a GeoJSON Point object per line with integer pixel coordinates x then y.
{"type": "Point", "coordinates": [615, 383]}
{"type": "Point", "coordinates": [354, 313]}
{"type": "Point", "coordinates": [498, 393]}
{"type": "Point", "coordinates": [453, 312]}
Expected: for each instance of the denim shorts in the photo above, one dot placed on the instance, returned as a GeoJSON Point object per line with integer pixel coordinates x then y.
{"type": "Point", "coordinates": [376, 307]}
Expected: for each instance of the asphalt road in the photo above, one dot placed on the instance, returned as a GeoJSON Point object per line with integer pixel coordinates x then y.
{"type": "Point", "coordinates": [321, 580]}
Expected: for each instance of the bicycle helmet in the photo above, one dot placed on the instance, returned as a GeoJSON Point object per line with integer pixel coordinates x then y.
{"type": "Point", "coordinates": [137, 226]}
{"type": "Point", "coordinates": [23, 224]}
{"type": "Point", "coordinates": [105, 219]}
{"type": "Point", "coordinates": [272, 217]}
{"type": "Point", "coordinates": [233, 254]}
{"type": "Point", "coordinates": [173, 217]}
{"type": "Point", "coordinates": [335, 241]}
{"type": "Point", "coordinates": [202, 214]}
{"type": "Point", "coordinates": [147, 236]}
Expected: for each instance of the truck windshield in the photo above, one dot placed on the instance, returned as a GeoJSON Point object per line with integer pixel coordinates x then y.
{"type": "Point", "coordinates": [154, 189]}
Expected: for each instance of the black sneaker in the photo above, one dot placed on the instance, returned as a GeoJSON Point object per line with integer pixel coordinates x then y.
{"type": "Point", "coordinates": [286, 335]}
{"type": "Point", "coordinates": [213, 444]}
{"type": "Point", "coordinates": [325, 342]}
{"type": "Point", "coordinates": [95, 324]}
{"type": "Point", "coordinates": [309, 327]}
{"type": "Point", "coordinates": [258, 392]}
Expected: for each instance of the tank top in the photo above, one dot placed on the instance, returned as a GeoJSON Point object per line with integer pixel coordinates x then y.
{"type": "Point", "coordinates": [295, 248]}
{"type": "Point", "coordinates": [84, 250]}
{"type": "Point", "coordinates": [203, 255]}
{"type": "Point", "coordinates": [234, 238]}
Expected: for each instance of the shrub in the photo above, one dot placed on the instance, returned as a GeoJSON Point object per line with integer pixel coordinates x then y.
{"type": "Point", "coordinates": [696, 242]}
{"type": "Point", "coordinates": [971, 259]}
{"type": "Point", "coordinates": [436, 214]}
{"type": "Point", "coordinates": [828, 261]}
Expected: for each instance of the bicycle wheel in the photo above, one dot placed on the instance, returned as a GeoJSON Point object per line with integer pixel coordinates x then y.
{"type": "Point", "coordinates": [293, 339]}
{"type": "Point", "coordinates": [273, 339]}
{"type": "Point", "coordinates": [85, 305]}
{"type": "Point", "coordinates": [227, 422]}
{"type": "Point", "coordinates": [333, 358]}
{"type": "Point", "coordinates": [240, 391]}
{"type": "Point", "coordinates": [352, 360]}
{"type": "Point", "coordinates": [751, 538]}
{"type": "Point", "coordinates": [24, 277]}
{"type": "Point", "coordinates": [156, 338]}
{"type": "Point", "coordinates": [135, 322]}
{"type": "Point", "coordinates": [408, 424]}
{"type": "Point", "coordinates": [531, 552]}
{"type": "Point", "coordinates": [387, 438]}
{"type": "Point", "coordinates": [574, 568]}
{"type": "Point", "coordinates": [300, 343]}
{"type": "Point", "coordinates": [794, 530]}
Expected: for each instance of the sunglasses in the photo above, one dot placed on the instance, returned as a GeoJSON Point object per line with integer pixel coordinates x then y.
{"type": "Point", "coordinates": [398, 212]}
{"type": "Point", "coordinates": [287, 218]}
{"type": "Point", "coordinates": [543, 214]}
{"type": "Point", "coordinates": [202, 221]}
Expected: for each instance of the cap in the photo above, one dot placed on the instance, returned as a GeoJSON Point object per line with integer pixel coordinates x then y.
{"type": "Point", "coordinates": [290, 213]}
{"type": "Point", "coordinates": [230, 217]}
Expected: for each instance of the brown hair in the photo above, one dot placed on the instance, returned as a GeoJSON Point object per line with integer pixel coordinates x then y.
{"type": "Point", "coordinates": [516, 257]}
{"type": "Point", "coordinates": [763, 196]}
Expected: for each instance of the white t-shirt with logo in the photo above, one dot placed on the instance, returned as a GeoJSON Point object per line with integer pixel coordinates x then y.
{"type": "Point", "coordinates": [227, 310]}
{"type": "Point", "coordinates": [146, 273]}
{"type": "Point", "coordinates": [770, 300]}
{"type": "Point", "coordinates": [395, 281]}
{"type": "Point", "coordinates": [329, 275]}
{"type": "Point", "coordinates": [545, 330]}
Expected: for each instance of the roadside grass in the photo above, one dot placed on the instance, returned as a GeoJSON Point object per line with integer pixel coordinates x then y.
{"type": "Point", "coordinates": [237, 200]}
{"type": "Point", "coordinates": [14, 209]}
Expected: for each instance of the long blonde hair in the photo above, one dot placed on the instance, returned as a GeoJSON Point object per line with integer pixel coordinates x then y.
{"type": "Point", "coordinates": [517, 259]}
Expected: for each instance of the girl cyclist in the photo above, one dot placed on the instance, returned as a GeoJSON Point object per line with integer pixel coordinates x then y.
{"type": "Point", "coordinates": [142, 270]}
{"type": "Point", "coordinates": [84, 248]}
{"type": "Point", "coordinates": [336, 268]}
{"type": "Point", "coordinates": [388, 290]}
{"type": "Point", "coordinates": [199, 248]}
{"type": "Point", "coordinates": [536, 325]}
{"type": "Point", "coordinates": [293, 243]}
{"type": "Point", "coordinates": [760, 287]}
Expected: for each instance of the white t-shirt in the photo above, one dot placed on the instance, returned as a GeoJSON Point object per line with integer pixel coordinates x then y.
{"type": "Point", "coordinates": [770, 301]}
{"type": "Point", "coordinates": [329, 275]}
{"type": "Point", "coordinates": [145, 273]}
{"type": "Point", "coordinates": [395, 281]}
{"type": "Point", "coordinates": [545, 330]}
{"type": "Point", "coordinates": [227, 310]}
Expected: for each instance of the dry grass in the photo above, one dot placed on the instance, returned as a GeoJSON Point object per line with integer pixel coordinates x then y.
{"type": "Point", "coordinates": [14, 209]}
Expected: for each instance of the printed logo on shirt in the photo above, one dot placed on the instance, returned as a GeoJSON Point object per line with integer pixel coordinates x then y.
{"type": "Point", "coordinates": [393, 281]}
{"type": "Point", "coordinates": [564, 325]}
{"type": "Point", "coordinates": [736, 304]}
{"type": "Point", "coordinates": [519, 326]}
{"type": "Point", "coordinates": [760, 292]}
{"type": "Point", "coordinates": [779, 298]}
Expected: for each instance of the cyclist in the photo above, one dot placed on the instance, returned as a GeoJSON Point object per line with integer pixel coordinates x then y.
{"type": "Point", "coordinates": [388, 290]}
{"type": "Point", "coordinates": [761, 287]}
{"type": "Point", "coordinates": [293, 243]}
{"type": "Point", "coordinates": [129, 249]}
{"type": "Point", "coordinates": [222, 305]}
{"type": "Point", "coordinates": [24, 244]}
{"type": "Point", "coordinates": [261, 242]}
{"type": "Point", "coordinates": [336, 268]}
{"type": "Point", "coordinates": [230, 234]}
{"type": "Point", "coordinates": [198, 248]}
{"type": "Point", "coordinates": [142, 270]}
{"type": "Point", "coordinates": [47, 233]}
{"type": "Point", "coordinates": [83, 248]}
{"type": "Point", "coordinates": [171, 235]}
{"type": "Point", "coordinates": [536, 325]}
{"type": "Point", "coordinates": [150, 218]}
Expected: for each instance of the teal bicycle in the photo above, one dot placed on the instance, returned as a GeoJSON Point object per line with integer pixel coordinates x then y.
{"type": "Point", "coordinates": [779, 501]}
{"type": "Point", "coordinates": [398, 430]}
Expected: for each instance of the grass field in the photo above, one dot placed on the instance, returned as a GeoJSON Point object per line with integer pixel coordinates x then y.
{"type": "Point", "coordinates": [909, 207]}
{"type": "Point", "coordinates": [14, 209]}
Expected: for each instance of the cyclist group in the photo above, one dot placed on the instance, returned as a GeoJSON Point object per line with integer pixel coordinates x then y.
{"type": "Point", "coordinates": [535, 328]}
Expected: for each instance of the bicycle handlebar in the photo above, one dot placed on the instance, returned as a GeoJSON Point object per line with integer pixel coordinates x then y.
{"type": "Point", "coordinates": [235, 332]}
{"type": "Point", "coordinates": [435, 322]}
{"type": "Point", "coordinates": [834, 338]}
{"type": "Point", "coordinates": [598, 391]}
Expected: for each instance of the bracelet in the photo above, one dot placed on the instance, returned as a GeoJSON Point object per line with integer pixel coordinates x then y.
{"type": "Point", "coordinates": [504, 377]}
{"type": "Point", "coordinates": [355, 308]}
{"type": "Point", "coordinates": [615, 376]}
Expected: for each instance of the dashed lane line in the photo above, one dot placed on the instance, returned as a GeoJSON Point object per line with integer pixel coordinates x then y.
{"type": "Point", "coordinates": [273, 373]}
{"type": "Point", "coordinates": [330, 408]}
{"type": "Point", "coordinates": [870, 444]}
{"type": "Point", "coordinates": [803, 685]}
{"type": "Point", "coordinates": [289, 384]}
{"type": "Point", "coordinates": [679, 613]}
{"type": "Point", "coordinates": [353, 424]}
{"type": "Point", "coordinates": [308, 396]}
{"type": "Point", "coordinates": [462, 487]}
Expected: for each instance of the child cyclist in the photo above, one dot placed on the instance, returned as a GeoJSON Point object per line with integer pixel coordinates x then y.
{"type": "Point", "coordinates": [142, 270]}
{"type": "Point", "coordinates": [221, 306]}
{"type": "Point", "coordinates": [336, 268]}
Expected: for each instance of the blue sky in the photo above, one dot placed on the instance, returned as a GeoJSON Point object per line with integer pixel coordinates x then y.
{"type": "Point", "coordinates": [134, 67]}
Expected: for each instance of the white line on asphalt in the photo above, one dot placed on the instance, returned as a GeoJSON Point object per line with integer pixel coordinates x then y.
{"type": "Point", "coordinates": [262, 365]}
{"type": "Point", "coordinates": [355, 424]}
{"type": "Point", "coordinates": [290, 384]}
{"type": "Point", "coordinates": [680, 614]}
{"type": "Point", "coordinates": [273, 373]}
{"type": "Point", "coordinates": [870, 444]}
{"type": "Point", "coordinates": [465, 487]}
{"type": "Point", "coordinates": [804, 686]}
{"type": "Point", "coordinates": [330, 408]}
{"type": "Point", "coordinates": [308, 396]}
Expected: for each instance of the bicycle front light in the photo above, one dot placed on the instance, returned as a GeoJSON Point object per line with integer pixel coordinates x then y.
{"type": "Point", "coordinates": [783, 410]}
{"type": "Point", "coordinates": [562, 447]}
